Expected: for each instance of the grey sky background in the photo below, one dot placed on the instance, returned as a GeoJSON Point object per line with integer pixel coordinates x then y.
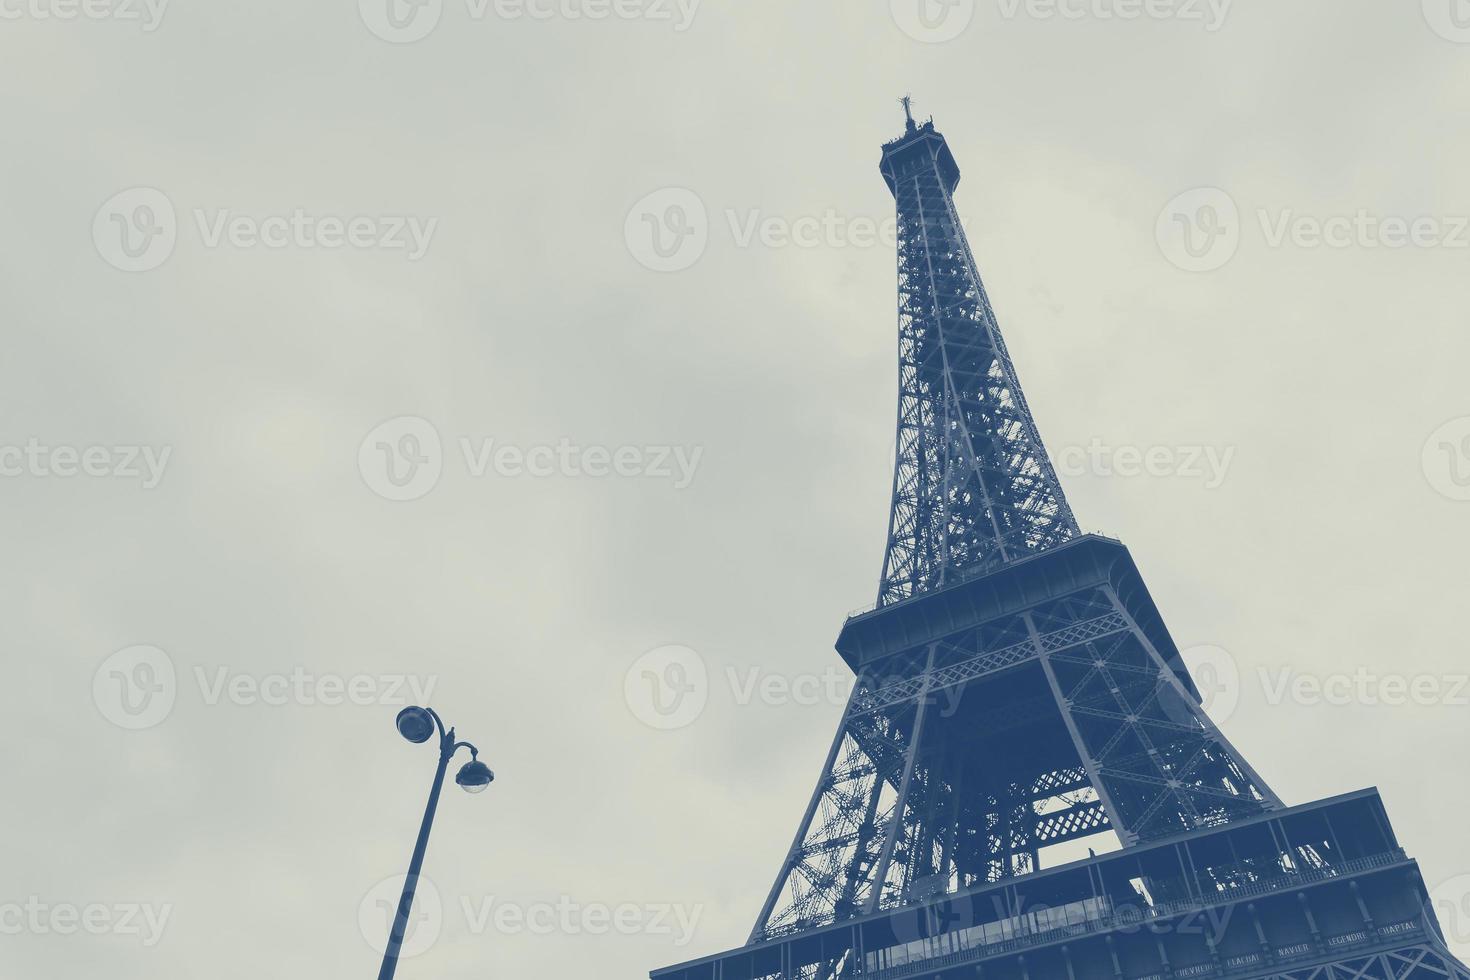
{"type": "Point", "coordinates": [1334, 541]}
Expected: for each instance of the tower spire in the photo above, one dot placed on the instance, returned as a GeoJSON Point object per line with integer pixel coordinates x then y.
{"type": "Point", "coordinates": [973, 487]}
{"type": "Point", "coordinates": [908, 111]}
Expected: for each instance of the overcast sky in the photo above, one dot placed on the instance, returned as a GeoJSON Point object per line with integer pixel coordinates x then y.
{"type": "Point", "coordinates": [274, 276]}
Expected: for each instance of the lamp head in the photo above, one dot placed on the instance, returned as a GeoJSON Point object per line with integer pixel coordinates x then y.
{"type": "Point", "coordinates": [475, 777]}
{"type": "Point", "coordinates": [415, 724]}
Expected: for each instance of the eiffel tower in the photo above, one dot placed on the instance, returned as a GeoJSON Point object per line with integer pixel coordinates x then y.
{"type": "Point", "coordinates": [1017, 697]}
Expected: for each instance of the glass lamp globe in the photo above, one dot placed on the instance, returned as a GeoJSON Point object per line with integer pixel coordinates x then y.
{"type": "Point", "coordinates": [475, 777]}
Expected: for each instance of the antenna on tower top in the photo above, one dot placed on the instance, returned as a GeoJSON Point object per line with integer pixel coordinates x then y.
{"type": "Point", "coordinates": [908, 111]}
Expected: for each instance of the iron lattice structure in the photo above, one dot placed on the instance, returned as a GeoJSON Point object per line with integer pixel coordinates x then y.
{"type": "Point", "coordinates": [973, 487]}
{"type": "Point", "coordinates": [960, 758]}
{"type": "Point", "coordinates": [1017, 689]}
{"type": "Point", "coordinates": [1064, 719]}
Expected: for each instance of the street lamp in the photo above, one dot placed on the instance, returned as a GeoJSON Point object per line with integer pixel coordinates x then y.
{"type": "Point", "coordinates": [418, 725]}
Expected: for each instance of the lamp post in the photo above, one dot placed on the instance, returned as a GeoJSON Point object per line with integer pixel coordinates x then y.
{"type": "Point", "coordinates": [418, 725]}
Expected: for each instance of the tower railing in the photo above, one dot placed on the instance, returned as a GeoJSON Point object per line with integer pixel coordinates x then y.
{"type": "Point", "coordinates": [962, 576]}
{"type": "Point", "coordinates": [1123, 917]}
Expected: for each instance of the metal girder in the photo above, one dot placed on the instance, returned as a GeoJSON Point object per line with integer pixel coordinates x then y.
{"type": "Point", "coordinates": [914, 797]}
{"type": "Point", "coordinates": [986, 663]}
{"type": "Point", "coordinates": [1422, 962]}
{"type": "Point", "coordinates": [1082, 820]}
